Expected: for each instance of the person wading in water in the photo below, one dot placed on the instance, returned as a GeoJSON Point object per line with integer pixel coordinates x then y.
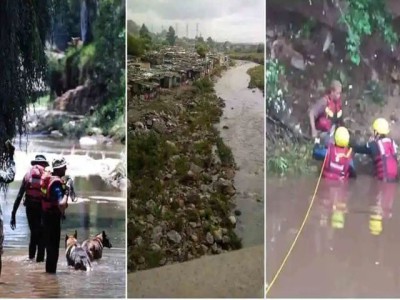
{"type": "Point", "coordinates": [54, 204]}
{"type": "Point", "coordinates": [30, 187]}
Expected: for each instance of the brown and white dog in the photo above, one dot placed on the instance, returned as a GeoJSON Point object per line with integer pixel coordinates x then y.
{"type": "Point", "coordinates": [75, 254]}
{"type": "Point", "coordinates": [94, 246]}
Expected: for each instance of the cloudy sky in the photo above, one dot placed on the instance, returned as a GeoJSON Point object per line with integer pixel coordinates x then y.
{"type": "Point", "coordinates": [232, 20]}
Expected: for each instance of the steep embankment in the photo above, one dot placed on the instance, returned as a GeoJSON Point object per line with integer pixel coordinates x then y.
{"type": "Point", "coordinates": [311, 48]}
{"type": "Point", "coordinates": [182, 174]}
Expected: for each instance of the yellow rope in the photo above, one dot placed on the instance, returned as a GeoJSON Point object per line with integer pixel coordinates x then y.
{"type": "Point", "coordinates": [300, 230]}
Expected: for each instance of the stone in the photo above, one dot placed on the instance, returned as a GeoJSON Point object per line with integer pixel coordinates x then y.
{"type": "Point", "coordinates": [226, 239]}
{"type": "Point", "coordinates": [194, 238]}
{"type": "Point", "coordinates": [139, 125]}
{"type": "Point", "coordinates": [150, 218]}
{"type": "Point", "coordinates": [217, 234]}
{"type": "Point", "coordinates": [238, 212]}
{"type": "Point", "coordinates": [150, 204]}
{"type": "Point", "coordinates": [209, 238]}
{"type": "Point", "coordinates": [204, 188]}
{"type": "Point", "coordinates": [56, 134]}
{"type": "Point", "coordinates": [193, 224]}
{"type": "Point", "coordinates": [190, 175]}
{"type": "Point", "coordinates": [171, 145]}
{"type": "Point", "coordinates": [138, 241]}
{"type": "Point", "coordinates": [155, 247]}
{"type": "Point", "coordinates": [162, 261]}
{"type": "Point", "coordinates": [225, 186]}
{"type": "Point", "coordinates": [174, 236]}
{"type": "Point", "coordinates": [157, 234]}
{"type": "Point", "coordinates": [298, 62]}
{"type": "Point", "coordinates": [195, 168]}
{"type": "Point", "coordinates": [232, 219]}
{"type": "Point", "coordinates": [395, 75]}
{"type": "Point", "coordinates": [141, 260]}
{"type": "Point", "coordinates": [215, 249]}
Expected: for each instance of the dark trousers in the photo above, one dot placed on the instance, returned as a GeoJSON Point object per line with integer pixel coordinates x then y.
{"type": "Point", "coordinates": [34, 216]}
{"type": "Point", "coordinates": [52, 234]}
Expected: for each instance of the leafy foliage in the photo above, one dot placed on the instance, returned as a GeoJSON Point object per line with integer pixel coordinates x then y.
{"type": "Point", "coordinates": [363, 17]}
{"type": "Point", "coordinates": [24, 26]}
{"type": "Point", "coordinates": [291, 159]}
{"type": "Point", "coordinates": [171, 37]}
{"type": "Point", "coordinates": [256, 77]}
{"type": "Point", "coordinates": [274, 89]}
{"type": "Point", "coordinates": [201, 49]}
{"type": "Point", "coordinates": [136, 45]}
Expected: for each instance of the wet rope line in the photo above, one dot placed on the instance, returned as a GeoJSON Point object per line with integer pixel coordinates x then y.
{"type": "Point", "coordinates": [300, 230]}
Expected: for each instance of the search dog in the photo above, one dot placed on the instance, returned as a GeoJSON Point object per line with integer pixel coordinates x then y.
{"type": "Point", "coordinates": [75, 254]}
{"type": "Point", "coordinates": [94, 246]}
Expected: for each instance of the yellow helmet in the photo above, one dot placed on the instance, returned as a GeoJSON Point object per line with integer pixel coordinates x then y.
{"type": "Point", "coordinates": [342, 137]}
{"type": "Point", "coordinates": [375, 224]}
{"type": "Point", "coordinates": [381, 126]}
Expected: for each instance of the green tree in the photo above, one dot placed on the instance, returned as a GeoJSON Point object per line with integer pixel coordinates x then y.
{"type": "Point", "coordinates": [201, 49]}
{"type": "Point", "coordinates": [171, 37]}
{"type": "Point", "coordinates": [24, 26]}
{"type": "Point", "coordinates": [136, 46]}
{"type": "Point", "coordinates": [109, 37]}
{"type": "Point", "coordinates": [144, 32]}
{"type": "Point", "coordinates": [145, 37]}
{"type": "Point", "coordinates": [362, 18]}
{"type": "Point", "coordinates": [210, 42]}
{"type": "Point", "coordinates": [199, 40]}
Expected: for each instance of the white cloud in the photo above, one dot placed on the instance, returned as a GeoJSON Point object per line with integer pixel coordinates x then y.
{"type": "Point", "coordinates": [232, 20]}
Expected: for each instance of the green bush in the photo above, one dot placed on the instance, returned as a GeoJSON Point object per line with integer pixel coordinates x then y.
{"type": "Point", "coordinates": [225, 153]}
{"type": "Point", "coordinates": [136, 45]}
{"type": "Point", "coordinates": [204, 85]}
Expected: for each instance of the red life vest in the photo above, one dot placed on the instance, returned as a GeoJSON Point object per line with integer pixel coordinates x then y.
{"type": "Point", "coordinates": [333, 110]}
{"type": "Point", "coordinates": [337, 163]}
{"type": "Point", "coordinates": [32, 183]}
{"type": "Point", "coordinates": [46, 183]}
{"type": "Point", "coordinates": [386, 161]}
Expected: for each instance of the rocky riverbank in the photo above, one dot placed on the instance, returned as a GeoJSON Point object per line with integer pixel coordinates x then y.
{"type": "Point", "coordinates": [59, 124]}
{"type": "Point", "coordinates": [181, 172]}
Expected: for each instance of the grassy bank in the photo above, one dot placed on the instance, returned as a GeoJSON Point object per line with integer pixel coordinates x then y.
{"type": "Point", "coordinates": [256, 77]}
{"type": "Point", "coordinates": [181, 173]}
{"type": "Point", "coordinates": [250, 56]}
{"type": "Point", "coordinates": [291, 160]}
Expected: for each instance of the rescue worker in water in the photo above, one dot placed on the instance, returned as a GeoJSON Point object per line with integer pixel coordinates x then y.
{"type": "Point", "coordinates": [383, 151]}
{"type": "Point", "coordinates": [54, 203]}
{"type": "Point", "coordinates": [339, 158]}
{"type": "Point", "coordinates": [31, 188]}
{"type": "Point", "coordinates": [327, 112]}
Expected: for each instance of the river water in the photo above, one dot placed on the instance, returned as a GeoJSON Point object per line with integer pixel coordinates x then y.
{"type": "Point", "coordinates": [99, 207]}
{"type": "Point", "coordinates": [328, 261]}
{"type": "Point", "coordinates": [244, 116]}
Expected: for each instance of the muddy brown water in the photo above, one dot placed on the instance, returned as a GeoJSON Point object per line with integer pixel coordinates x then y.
{"type": "Point", "coordinates": [244, 116]}
{"type": "Point", "coordinates": [98, 208]}
{"type": "Point", "coordinates": [326, 261]}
